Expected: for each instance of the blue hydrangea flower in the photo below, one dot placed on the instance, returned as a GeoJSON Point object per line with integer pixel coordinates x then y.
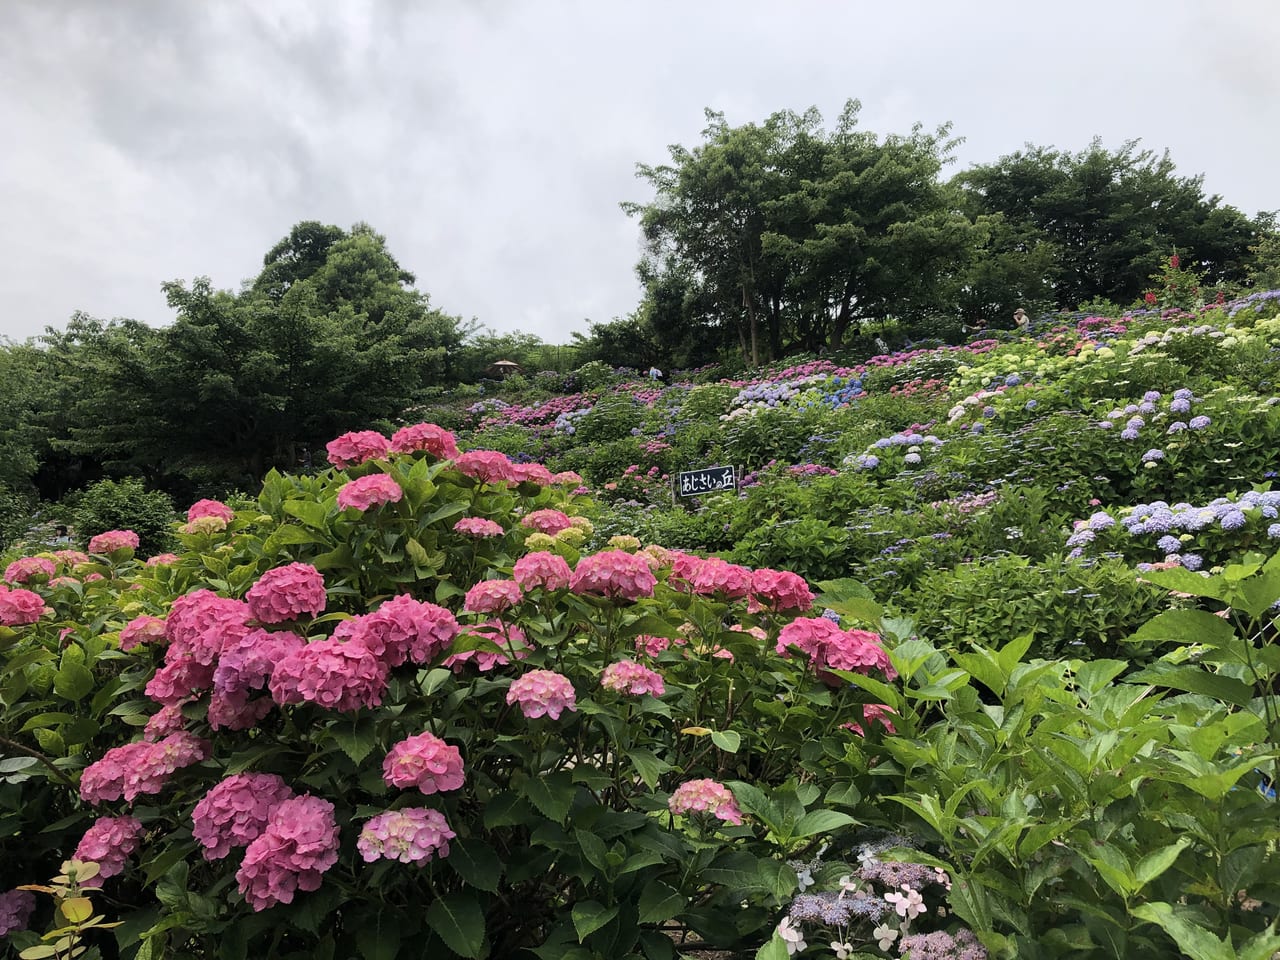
{"type": "Point", "coordinates": [1151, 456]}
{"type": "Point", "coordinates": [1199, 423]}
{"type": "Point", "coordinates": [1273, 531]}
{"type": "Point", "coordinates": [1030, 405]}
{"type": "Point", "coordinates": [1192, 561]}
{"type": "Point", "coordinates": [1169, 544]}
{"type": "Point", "coordinates": [1128, 433]}
{"type": "Point", "coordinates": [1176, 427]}
{"type": "Point", "coordinates": [1233, 520]}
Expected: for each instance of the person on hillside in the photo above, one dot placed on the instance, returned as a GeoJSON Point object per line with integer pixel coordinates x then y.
{"type": "Point", "coordinates": [1022, 320]}
{"type": "Point", "coordinates": [977, 328]}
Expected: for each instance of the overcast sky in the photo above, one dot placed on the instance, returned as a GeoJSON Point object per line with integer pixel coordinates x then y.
{"type": "Point", "coordinates": [492, 140]}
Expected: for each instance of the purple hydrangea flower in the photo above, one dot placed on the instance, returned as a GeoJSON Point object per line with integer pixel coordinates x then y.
{"type": "Point", "coordinates": [1151, 456]}
{"type": "Point", "coordinates": [1199, 423]}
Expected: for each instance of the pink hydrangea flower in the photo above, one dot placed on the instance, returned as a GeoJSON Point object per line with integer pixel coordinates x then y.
{"type": "Point", "coordinates": [627, 676]}
{"type": "Point", "coordinates": [71, 558]}
{"type": "Point", "coordinates": [285, 593]}
{"type": "Point", "coordinates": [569, 478]}
{"type": "Point", "coordinates": [210, 508]}
{"type": "Point", "coordinates": [246, 662]}
{"type": "Point", "coordinates": [684, 567]}
{"type": "Point", "coordinates": [435, 440]}
{"type": "Point", "coordinates": [236, 710]}
{"type": "Point", "coordinates": [26, 569]}
{"type": "Point", "coordinates": [829, 647]}
{"type": "Point", "coordinates": [652, 646]}
{"type": "Point", "coordinates": [873, 713]}
{"type": "Point", "coordinates": [142, 630]}
{"type": "Point", "coordinates": [780, 590]}
{"type": "Point", "coordinates": [705, 796]}
{"type": "Point", "coordinates": [140, 768]}
{"type": "Point", "coordinates": [548, 521]}
{"type": "Point", "coordinates": [368, 492]}
{"type": "Point", "coordinates": [201, 624]}
{"type": "Point", "coordinates": [410, 835]}
{"type": "Point", "coordinates": [113, 540]}
{"type": "Point", "coordinates": [424, 762]}
{"type": "Point", "coordinates": [714, 577]}
{"type": "Point", "coordinates": [19, 607]}
{"type": "Point", "coordinates": [16, 907]}
{"type": "Point", "coordinates": [486, 466]}
{"type": "Point", "coordinates": [531, 473]}
{"type": "Point", "coordinates": [333, 674]}
{"type": "Point", "coordinates": [109, 843]}
{"type": "Point", "coordinates": [298, 845]}
{"type": "Point", "coordinates": [236, 812]}
{"type": "Point", "coordinates": [405, 629]}
{"type": "Point", "coordinates": [353, 448]}
{"type": "Point", "coordinates": [493, 596]}
{"type": "Point", "coordinates": [615, 574]}
{"type": "Point", "coordinates": [543, 570]}
{"type": "Point", "coordinates": [510, 640]}
{"type": "Point", "coordinates": [168, 719]}
{"type": "Point", "coordinates": [478, 527]}
{"type": "Point", "coordinates": [542, 693]}
{"type": "Point", "coordinates": [161, 559]}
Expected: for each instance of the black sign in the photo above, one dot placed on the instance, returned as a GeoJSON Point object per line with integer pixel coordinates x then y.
{"type": "Point", "coordinates": [707, 480]}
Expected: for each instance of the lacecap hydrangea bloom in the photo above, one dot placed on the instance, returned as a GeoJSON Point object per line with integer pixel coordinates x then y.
{"type": "Point", "coordinates": [113, 540]}
{"type": "Point", "coordinates": [27, 569]}
{"type": "Point", "coordinates": [437, 441]}
{"type": "Point", "coordinates": [705, 796]}
{"type": "Point", "coordinates": [423, 762]}
{"type": "Point", "coordinates": [109, 843]}
{"type": "Point", "coordinates": [236, 811]}
{"type": "Point", "coordinates": [298, 845]}
{"type": "Point", "coordinates": [365, 493]}
{"type": "Point", "coordinates": [354, 448]}
{"type": "Point", "coordinates": [410, 835]}
{"type": "Point", "coordinates": [285, 593]}
{"type": "Point", "coordinates": [478, 527]}
{"type": "Point", "coordinates": [627, 676]}
{"type": "Point", "coordinates": [542, 570]}
{"type": "Point", "coordinates": [542, 693]}
{"type": "Point", "coordinates": [615, 574]}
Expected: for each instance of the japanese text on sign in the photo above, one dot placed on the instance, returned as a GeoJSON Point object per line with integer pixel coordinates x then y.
{"type": "Point", "coordinates": [707, 480]}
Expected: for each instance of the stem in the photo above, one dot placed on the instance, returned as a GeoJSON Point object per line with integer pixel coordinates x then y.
{"type": "Point", "coordinates": [13, 745]}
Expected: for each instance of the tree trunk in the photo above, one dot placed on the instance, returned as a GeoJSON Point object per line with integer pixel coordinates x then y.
{"type": "Point", "coordinates": [755, 328]}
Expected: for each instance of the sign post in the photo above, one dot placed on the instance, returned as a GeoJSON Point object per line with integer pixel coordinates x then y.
{"type": "Point", "coordinates": [693, 483]}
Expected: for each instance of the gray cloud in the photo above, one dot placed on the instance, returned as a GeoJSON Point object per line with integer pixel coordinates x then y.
{"type": "Point", "coordinates": [492, 141]}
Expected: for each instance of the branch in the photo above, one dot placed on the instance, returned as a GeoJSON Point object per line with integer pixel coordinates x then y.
{"type": "Point", "coordinates": [20, 748]}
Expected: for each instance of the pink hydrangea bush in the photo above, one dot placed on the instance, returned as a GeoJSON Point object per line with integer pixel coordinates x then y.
{"type": "Point", "coordinates": [18, 608]}
{"type": "Point", "coordinates": [549, 522]}
{"type": "Point", "coordinates": [493, 596]}
{"type": "Point", "coordinates": [30, 569]}
{"type": "Point", "coordinates": [236, 811]}
{"type": "Point", "coordinates": [615, 574]}
{"type": "Point", "coordinates": [140, 630]}
{"type": "Point", "coordinates": [478, 527]}
{"type": "Point", "coordinates": [627, 676]}
{"type": "Point", "coordinates": [542, 570]}
{"type": "Point", "coordinates": [427, 437]}
{"type": "Point", "coordinates": [405, 629]}
{"type": "Point", "coordinates": [133, 769]}
{"type": "Point", "coordinates": [210, 508]}
{"type": "Point", "coordinates": [334, 674]}
{"type": "Point", "coordinates": [706, 796]}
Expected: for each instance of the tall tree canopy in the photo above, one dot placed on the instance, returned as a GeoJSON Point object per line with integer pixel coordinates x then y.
{"type": "Point", "coordinates": [786, 235]}
{"type": "Point", "coordinates": [1098, 223]}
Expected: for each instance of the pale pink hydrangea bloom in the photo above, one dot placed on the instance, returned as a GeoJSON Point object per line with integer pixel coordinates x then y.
{"type": "Point", "coordinates": [544, 570]}
{"type": "Point", "coordinates": [142, 630]}
{"type": "Point", "coordinates": [299, 844]}
{"type": "Point", "coordinates": [236, 811]}
{"type": "Point", "coordinates": [410, 835]}
{"type": "Point", "coordinates": [493, 596]}
{"type": "Point", "coordinates": [236, 710]}
{"type": "Point", "coordinates": [486, 466]}
{"type": "Point", "coordinates": [627, 676]}
{"type": "Point", "coordinates": [71, 558]}
{"type": "Point", "coordinates": [706, 796]}
{"type": "Point", "coordinates": [210, 508]}
{"type": "Point", "coordinates": [114, 540]}
{"type": "Point", "coordinates": [570, 478]}
{"type": "Point", "coordinates": [285, 593]}
{"type": "Point", "coordinates": [168, 719]}
{"type": "Point", "coordinates": [19, 607]}
{"type": "Point", "coordinates": [624, 541]}
{"type": "Point", "coordinates": [424, 762]}
{"type": "Point", "coordinates": [531, 473]}
{"type": "Point", "coordinates": [140, 768]}
{"type": "Point", "coordinates": [435, 440]}
{"type": "Point", "coordinates": [780, 590]}
{"type": "Point", "coordinates": [615, 574]}
{"type": "Point", "coordinates": [162, 559]}
{"type": "Point", "coordinates": [16, 907]}
{"type": "Point", "coordinates": [714, 577]}
{"type": "Point", "coordinates": [368, 492]}
{"type": "Point", "coordinates": [546, 521]}
{"type": "Point", "coordinates": [652, 646]}
{"type": "Point", "coordinates": [206, 525]}
{"type": "Point", "coordinates": [62, 582]}
{"type": "Point", "coordinates": [334, 674]}
{"type": "Point", "coordinates": [26, 569]}
{"type": "Point", "coordinates": [404, 629]}
{"type": "Point", "coordinates": [357, 447]}
{"type": "Point", "coordinates": [109, 843]}
{"type": "Point", "coordinates": [542, 693]}
{"type": "Point", "coordinates": [478, 527]}
{"type": "Point", "coordinates": [510, 640]}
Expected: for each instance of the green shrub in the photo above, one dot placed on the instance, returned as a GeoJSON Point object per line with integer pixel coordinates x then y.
{"type": "Point", "coordinates": [125, 505]}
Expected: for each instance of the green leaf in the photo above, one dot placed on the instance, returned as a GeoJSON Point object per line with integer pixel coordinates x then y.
{"type": "Point", "coordinates": [1158, 861]}
{"type": "Point", "coordinates": [821, 821]}
{"type": "Point", "coordinates": [378, 938]}
{"type": "Point", "coordinates": [1195, 679]}
{"type": "Point", "coordinates": [1184, 581]}
{"type": "Point", "coordinates": [659, 902]}
{"type": "Point", "coordinates": [589, 916]}
{"type": "Point", "coordinates": [73, 681]}
{"type": "Point", "coordinates": [459, 921]}
{"type": "Point", "coordinates": [552, 795]}
{"type": "Point", "coordinates": [726, 740]}
{"type": "Point", "coordinates": [310, 512]}
{"type": "Point", "coordinates": [1186, 627]}
{"type": "Point", "coordinates": [289, 534]}
{"type": "Point", "coordinates": [356, 740]}
{"type": "Point", "coordinates": [648, 766]}
{"type": "Point", "coordinates": [775, 949]}
{"type": "Point", "coordinates": [1192, 939]}
{"type": "Point", "coordinates": [475, 862]}
{"type": "Point", "coordinates": [593, 850]}
{"type": "Point", "coordinates": [1011, 654]}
